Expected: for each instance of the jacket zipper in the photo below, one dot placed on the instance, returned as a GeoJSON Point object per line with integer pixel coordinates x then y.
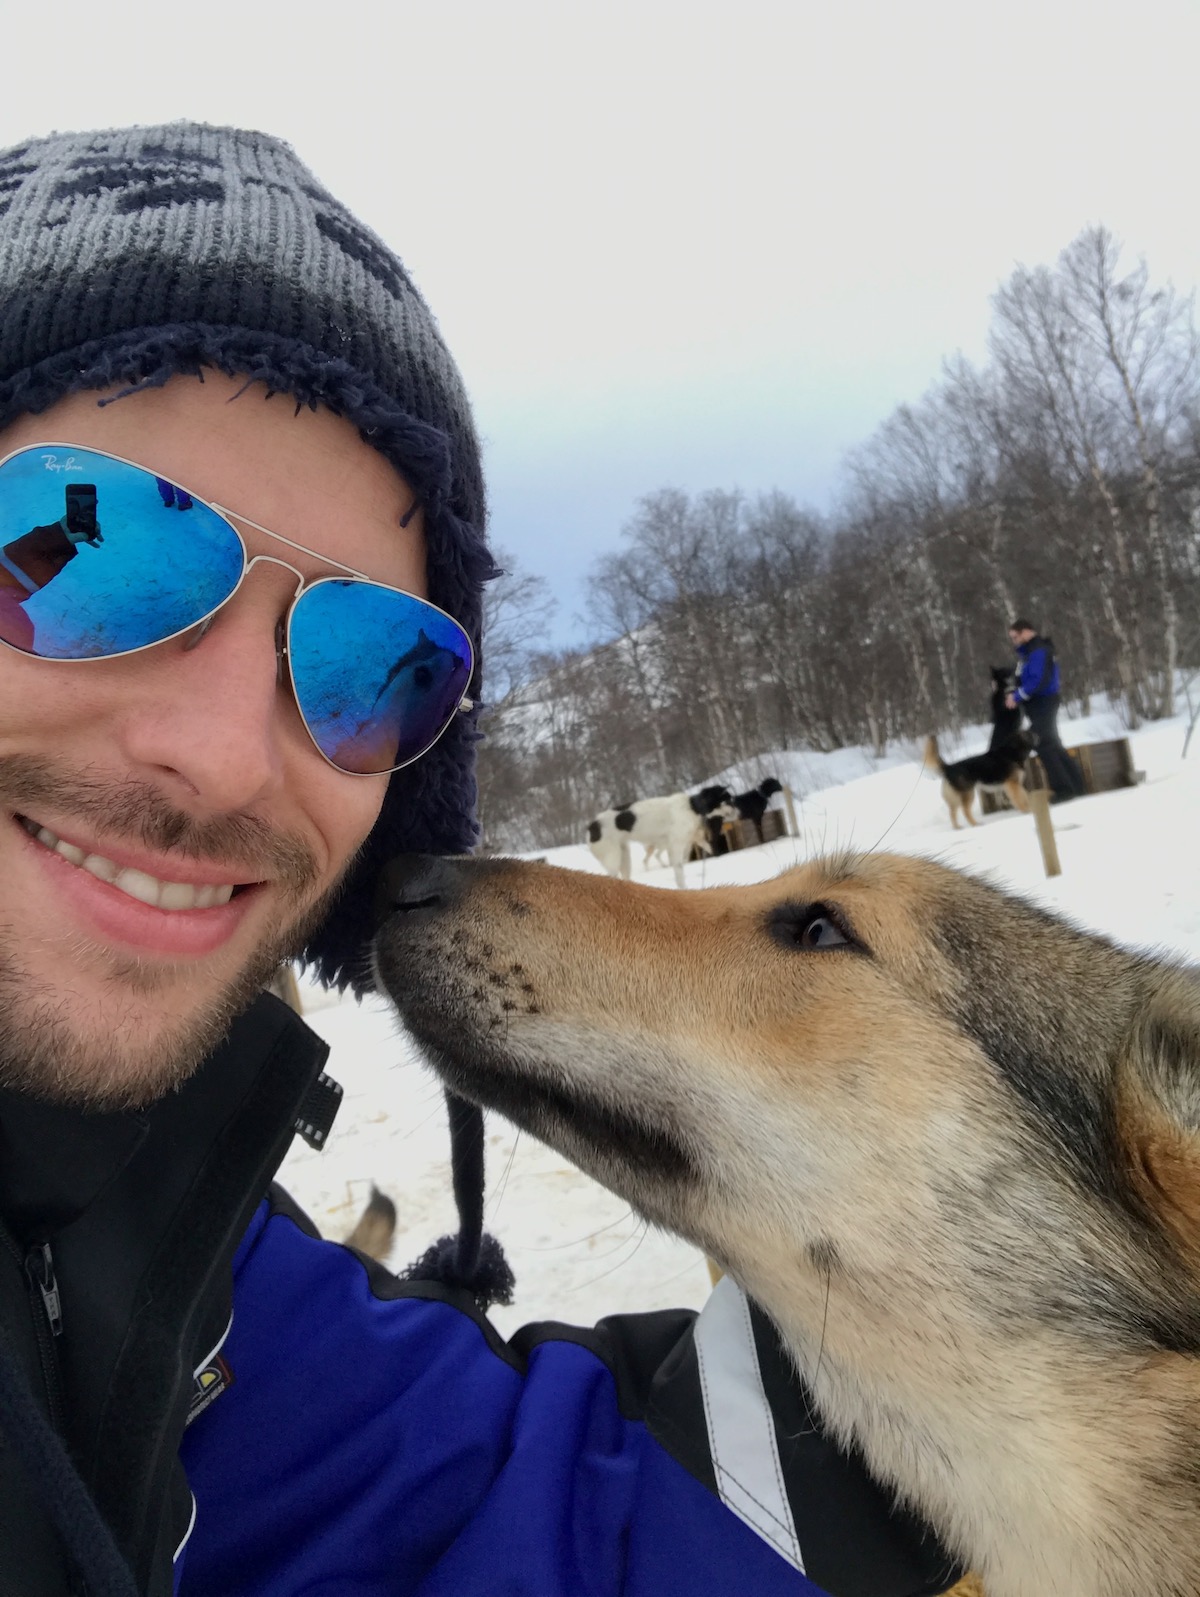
{"type": "Point", "coordinates": [45, 1304]}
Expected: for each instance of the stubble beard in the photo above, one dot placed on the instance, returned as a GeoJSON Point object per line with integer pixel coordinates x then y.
{"type": "Point", "coordinates": [48, 1051]}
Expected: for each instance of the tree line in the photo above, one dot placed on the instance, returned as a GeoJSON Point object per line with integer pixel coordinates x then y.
{"type": "Point", "coordinates": [1059, 480]}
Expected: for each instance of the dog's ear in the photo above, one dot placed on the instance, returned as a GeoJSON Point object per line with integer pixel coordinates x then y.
{"type": "Point", "coordinates": [1159, 1107]}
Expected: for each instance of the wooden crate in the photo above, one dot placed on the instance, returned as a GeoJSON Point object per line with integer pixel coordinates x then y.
{"type": "Point", "coordinates": [744, 834]}
{"type": "Point", "coordinates": [1106, 765]}
{"type": "Point", "coordinates": [741, 834]}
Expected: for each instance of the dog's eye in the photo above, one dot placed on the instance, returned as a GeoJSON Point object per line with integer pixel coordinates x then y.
{"type": "Point", "coordinates": [821, 932]}
{"type": "Point", "coordinates": [809, 926]}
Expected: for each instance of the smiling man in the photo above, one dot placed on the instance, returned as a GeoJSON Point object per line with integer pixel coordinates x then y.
{"type": "Point", "coordinates": [140, 789]}
{"type": "Point", "coordinates": [241, 565]}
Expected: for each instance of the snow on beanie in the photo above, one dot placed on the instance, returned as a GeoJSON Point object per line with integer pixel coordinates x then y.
{"type": "Point", "coordinates": [130, 255]}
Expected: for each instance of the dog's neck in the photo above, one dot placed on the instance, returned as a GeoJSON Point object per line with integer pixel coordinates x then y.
{"type": "Point", "coordinates": [1059, 1474]}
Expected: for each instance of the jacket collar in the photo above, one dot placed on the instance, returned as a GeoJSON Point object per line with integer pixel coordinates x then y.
{"type": "Point", "coordinates": [144, 1213]}
{"type": "Point", "coordinates": [55, 1160]}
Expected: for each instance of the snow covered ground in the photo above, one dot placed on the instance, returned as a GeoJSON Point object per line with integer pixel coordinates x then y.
{"type": "Point", "coordinates": [1131, 869]}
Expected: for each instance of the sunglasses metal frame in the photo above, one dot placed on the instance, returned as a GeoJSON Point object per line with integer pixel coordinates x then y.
{"type": "Point", "coordinates": [283, 627]}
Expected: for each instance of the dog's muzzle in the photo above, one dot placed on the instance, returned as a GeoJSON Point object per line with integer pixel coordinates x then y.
{"type": "Point", "coordinates": [418, 884]}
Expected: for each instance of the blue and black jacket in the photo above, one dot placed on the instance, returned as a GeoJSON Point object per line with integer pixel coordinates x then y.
{"type": "Point", "coordinates": [1037, 670]}
{"type": "Point", "coordinates": [255, 1412]}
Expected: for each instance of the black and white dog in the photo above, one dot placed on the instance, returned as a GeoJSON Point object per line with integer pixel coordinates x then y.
{"type": "Point", "coordinates": [752, 806]}
{"type": "Point", "coordinates": [674, 822]}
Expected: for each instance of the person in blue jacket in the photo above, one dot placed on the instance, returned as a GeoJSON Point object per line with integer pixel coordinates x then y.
{"type": "Point", "coordinates": [1037, 693]}
{"type": "Point", "coordinates": [215, 730]}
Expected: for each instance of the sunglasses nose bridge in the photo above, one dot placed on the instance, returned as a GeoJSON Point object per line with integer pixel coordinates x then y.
{"type": "Point", "coordinates": [281, 667]}
{"type": "Point", "coordinates": [280, 626]}
{"type": "Point", "coordinates": [274, 560]}
{"type": "Point", "coordinates": [282, 674]}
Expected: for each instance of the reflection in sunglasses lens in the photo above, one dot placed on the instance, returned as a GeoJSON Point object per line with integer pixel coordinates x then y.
{"type": "Point", "coordinates": [94, 561]}
{"type": "Point", "coordinates": [100, 557]}
{"type": "Point", "coordinates": [378, 674]}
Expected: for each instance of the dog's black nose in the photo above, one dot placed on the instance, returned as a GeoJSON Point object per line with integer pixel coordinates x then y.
{"type": "Point", "coordinates": [417, 882]}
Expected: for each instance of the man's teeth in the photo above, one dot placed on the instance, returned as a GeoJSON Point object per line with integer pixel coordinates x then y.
{"type": "Point", "coordinates": [138, 884]}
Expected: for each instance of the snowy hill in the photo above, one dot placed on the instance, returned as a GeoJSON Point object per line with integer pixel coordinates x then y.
{"type": "Point", "coordinates": [1131, 869]}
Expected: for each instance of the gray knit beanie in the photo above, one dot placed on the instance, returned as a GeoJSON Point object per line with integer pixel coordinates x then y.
{"type": "Point", "coordinates": [130, 255]}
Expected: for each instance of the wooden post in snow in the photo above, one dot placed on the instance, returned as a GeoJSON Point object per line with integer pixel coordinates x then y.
{"type": "Point", "coordinates": [789, 801]}
{"type": "Point", "coordinates": [1039, 803]}
{"type": "Point", "coordinates": [284, 985]}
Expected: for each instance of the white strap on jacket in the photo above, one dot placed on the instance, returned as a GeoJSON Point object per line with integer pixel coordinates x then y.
{"type": "Point", "coordinates": [741, 1430]}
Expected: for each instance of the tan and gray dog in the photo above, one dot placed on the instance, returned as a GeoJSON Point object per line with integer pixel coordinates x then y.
{"type": "Point", "coordinates": [950, 1144]}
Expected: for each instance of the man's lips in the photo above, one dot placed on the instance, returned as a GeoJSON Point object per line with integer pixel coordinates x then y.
{"type": "Point", "coordinates": [170, 884]}
{"type": "Point", "coordinates": [106, 913]}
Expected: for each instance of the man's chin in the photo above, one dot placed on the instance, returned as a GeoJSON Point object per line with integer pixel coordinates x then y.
{"type": "Point", "coordinates": [146, 1054]}
{"type": "Point", "coordinates": [136, 1039]}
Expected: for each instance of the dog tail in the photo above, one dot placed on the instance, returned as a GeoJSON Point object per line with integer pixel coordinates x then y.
{"type": "Point", "coordinates": [932, 760]}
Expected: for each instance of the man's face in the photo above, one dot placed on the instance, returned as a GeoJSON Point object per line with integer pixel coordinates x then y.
{"type": "Point", "coordinates": [187, 762]}
{"type": "Point", "coordinates": [1020, 637]}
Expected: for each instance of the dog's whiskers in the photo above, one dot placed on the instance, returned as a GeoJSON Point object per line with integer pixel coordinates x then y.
{"type": "Point", "coordinates": [638, 1238]}
{"type": "Point", "coordinates": [678, 1275]}
{"type": "Point", "coordinates": [824, 1325]}
{"type": "Point", "coordinates": [498, 1195]}
{"type": "Point", "coordinates": [900, 811]}
{"type": "Point", "coordinates": [553, 1247]}
{"type": "Point", "coordinates": [812, 1428]}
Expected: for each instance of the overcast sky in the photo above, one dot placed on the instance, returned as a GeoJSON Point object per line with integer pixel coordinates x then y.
{"type": "Point", "coordinates": [676, 244]}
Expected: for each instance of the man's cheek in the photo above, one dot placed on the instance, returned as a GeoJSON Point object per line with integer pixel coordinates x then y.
{"type": "Point", "coordinates": [351, 808]}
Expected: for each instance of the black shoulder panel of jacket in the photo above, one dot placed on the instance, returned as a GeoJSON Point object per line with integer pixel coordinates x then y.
{"type": "Point", "coordinates": [858, 1540]}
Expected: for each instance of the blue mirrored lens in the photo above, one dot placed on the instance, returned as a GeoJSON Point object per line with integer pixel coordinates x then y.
{"type": "Point", "coordinates": [98, 557]}
{"type": "Point", "coordinates": [378, 674]}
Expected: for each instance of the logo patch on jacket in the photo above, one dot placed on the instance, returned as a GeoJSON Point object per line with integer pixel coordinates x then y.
{"type": "Point", "coordinates": [207, 1385]}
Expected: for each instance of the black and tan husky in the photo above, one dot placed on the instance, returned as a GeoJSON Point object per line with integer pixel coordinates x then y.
{"type": "Point", "coordinates": [950, 1143]}
{"type": "Point", "coordinates": [999, 770]}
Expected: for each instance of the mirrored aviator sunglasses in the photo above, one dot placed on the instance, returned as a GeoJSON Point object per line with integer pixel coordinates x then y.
{"type": "Point", "coordinates": [101, 558]}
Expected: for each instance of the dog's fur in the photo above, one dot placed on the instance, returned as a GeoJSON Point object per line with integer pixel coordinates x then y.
{"type": "Point", "coordinates": [375, 1229]}
{"type": "Point", "coordinates": [711, 842]}
{"type": "Point", "coordinates": [999, 770]}
{"type": "Point", "coordinates": [674, 823]}
{"type": "Point", "coordinates": [950, 1143]}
